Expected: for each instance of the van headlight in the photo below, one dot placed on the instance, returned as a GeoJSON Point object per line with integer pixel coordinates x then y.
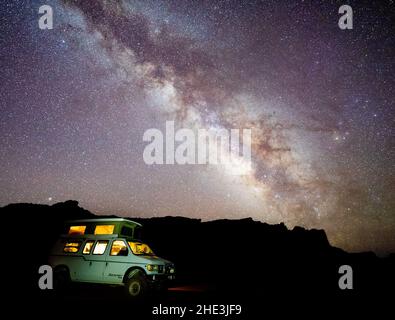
{"type": "Point", "coordinates": [170, 268]}
{"type": "Point", "coordinates": [152, 267]}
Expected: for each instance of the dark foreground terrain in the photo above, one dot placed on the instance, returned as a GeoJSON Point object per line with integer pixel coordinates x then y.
{"type": "Point", "coordinates": [264, 268]}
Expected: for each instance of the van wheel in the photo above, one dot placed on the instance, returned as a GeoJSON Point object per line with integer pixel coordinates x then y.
{"type": "Point", "coordinates": [136, 286]}
{"type": "Point", "coordinates": [61, 279]}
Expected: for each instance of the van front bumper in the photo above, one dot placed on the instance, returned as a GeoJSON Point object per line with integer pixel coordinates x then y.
{"type": "Point", "coordinates": [161, 277]}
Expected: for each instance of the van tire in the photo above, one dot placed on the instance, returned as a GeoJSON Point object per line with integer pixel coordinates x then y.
{"type": "Point", "coordinates": [136, 286]}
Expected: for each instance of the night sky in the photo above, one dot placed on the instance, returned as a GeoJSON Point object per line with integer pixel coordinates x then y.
{"type": "Point", "coordinates": [76, 100]}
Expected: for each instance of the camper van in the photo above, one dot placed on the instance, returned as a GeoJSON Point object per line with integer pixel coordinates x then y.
{"type": "Point", "coordinates": [108, 251]}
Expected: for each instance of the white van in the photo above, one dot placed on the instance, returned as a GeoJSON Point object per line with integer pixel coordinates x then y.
{"type": "Point", "coordinates": [106, 251]}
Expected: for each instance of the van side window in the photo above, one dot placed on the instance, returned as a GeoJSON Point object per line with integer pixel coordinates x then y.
{"type": "Point", "coordinates": [72, 246]}
{"type": "Point", "coordinates": [100, 247]}
{"type": "Point", "coordinates": [88, 247]}
{"type": "Point", "coordinates": [126, 231]}
{"type": "Point", "coordinates": [119, 248]}
{"type": "Point", "coordinates": [104, 229]}
{"type": "Point", "coordinates": [77, 229]}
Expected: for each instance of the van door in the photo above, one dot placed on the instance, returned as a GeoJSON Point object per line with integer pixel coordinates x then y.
{"type": "Point", "coordinates": [94, 261]}
{"type": "Point", "coordinates": [117, 262]}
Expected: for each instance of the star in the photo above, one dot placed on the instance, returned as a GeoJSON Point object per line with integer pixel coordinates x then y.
{"type": "Point", "coordinates": [76, 101]}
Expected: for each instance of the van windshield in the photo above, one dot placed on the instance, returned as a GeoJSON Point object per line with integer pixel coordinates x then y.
{"type": "Point", "coordinates": [140, 248]}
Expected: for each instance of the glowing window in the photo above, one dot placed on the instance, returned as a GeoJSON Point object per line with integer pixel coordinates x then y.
{"type": "Point", "coordinates": [140, 248]}
{"type": "Point", "coordinates": [88, 247]}
{"type": "Point", "coordinates": [77, 229]}
{"type": "Point", "coordinates": [72, 247]}
{"type": "Point", "coordinates": [119, 248]}
{"type": "Point", "coordinates": [100, 247]}
{"type": "Point", "coordinates": [104, 229]}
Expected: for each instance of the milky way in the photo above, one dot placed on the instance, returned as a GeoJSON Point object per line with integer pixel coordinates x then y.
{"type": "Point", "coordinates": [77, 99]}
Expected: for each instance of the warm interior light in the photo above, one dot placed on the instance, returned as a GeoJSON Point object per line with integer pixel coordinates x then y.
{"type": "Point", "coordinates": [88, 247]}
{"type": "Point", "coordinates": [104, 229]}
{"type": "Point", "coordinates": [140, 248]}
{"type": "Point", "coordinates": [117, 246]}
{"type": "Point", "coordinates": [100, 247]}
{"type": "Point", "coordinates": [71, 247]}
{"type": "Point", "coordinates": [77, 229]}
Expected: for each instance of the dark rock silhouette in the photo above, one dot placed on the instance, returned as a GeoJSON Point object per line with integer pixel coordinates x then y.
{"type": "Point", "coordinates": [230, 258]}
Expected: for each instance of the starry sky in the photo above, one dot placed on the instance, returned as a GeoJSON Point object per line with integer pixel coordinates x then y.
{"type": "Point", "coordinates": [76, 100]}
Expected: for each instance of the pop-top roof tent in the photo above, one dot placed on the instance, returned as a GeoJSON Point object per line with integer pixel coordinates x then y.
{"type": "Point", "coordinates": [105, 226]}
